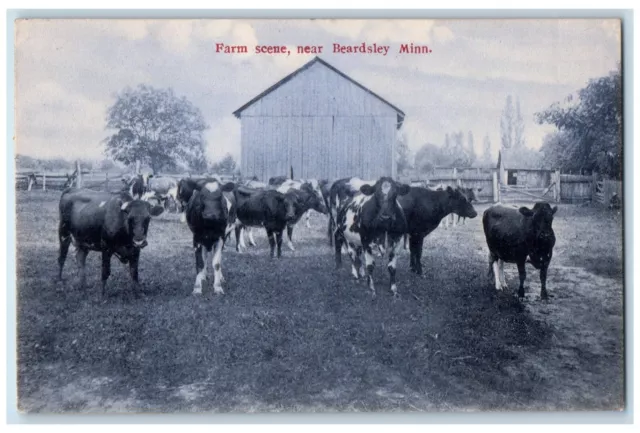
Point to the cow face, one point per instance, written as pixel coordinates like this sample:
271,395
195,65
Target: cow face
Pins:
461,204
385,193
137,214
470,193
315,200
541,238
290,214
213,204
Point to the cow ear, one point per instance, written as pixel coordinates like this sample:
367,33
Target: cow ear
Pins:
155,210
479,189
450,190
367,189
526,211
554,210
404,189
229,186
149,176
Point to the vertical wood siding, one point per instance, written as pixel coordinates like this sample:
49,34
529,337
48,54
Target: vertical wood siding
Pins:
322,125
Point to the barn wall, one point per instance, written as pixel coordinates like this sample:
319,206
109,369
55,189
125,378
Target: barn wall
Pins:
321,124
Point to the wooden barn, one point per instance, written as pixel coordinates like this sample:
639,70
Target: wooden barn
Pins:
321,122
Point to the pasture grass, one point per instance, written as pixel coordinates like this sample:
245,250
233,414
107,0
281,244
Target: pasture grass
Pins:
295,334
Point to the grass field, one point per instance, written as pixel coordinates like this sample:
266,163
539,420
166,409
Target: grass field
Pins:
296,335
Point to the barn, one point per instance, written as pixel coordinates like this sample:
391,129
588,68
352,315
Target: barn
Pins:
322,123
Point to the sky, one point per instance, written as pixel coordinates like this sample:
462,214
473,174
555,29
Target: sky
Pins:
68,72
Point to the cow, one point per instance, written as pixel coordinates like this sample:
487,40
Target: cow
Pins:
304,198
184,191
364,218
424,209
31,181
340,191
513,235
106,222
263,208
137,185
208,213
165,188
283,184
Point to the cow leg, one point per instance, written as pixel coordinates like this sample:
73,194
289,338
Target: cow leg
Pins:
183,216
289,235
405,239
369,261
279,242
543,283
272,242
252,242
330,230
355,260
503,279
391,266
522,273
106,270
201,269
496,274
133,271
239,238
216,263
81,258
65,240
338,249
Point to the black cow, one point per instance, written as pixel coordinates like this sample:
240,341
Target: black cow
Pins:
303,199
264,208
515,234
424,209
185,189
371,216
340,191
208,213
102,221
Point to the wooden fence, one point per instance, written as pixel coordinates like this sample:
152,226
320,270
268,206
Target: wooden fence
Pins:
605,189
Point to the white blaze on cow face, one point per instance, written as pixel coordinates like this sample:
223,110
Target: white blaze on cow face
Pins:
212,186
102,203
385,188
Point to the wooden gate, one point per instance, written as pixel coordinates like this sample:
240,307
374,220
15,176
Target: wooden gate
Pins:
526,193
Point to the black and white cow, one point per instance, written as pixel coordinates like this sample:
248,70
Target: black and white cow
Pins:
208,214
263,208
340,191
185,188
137,185
164,189
424,209
513,235
373,215
304,199
283,184
109,223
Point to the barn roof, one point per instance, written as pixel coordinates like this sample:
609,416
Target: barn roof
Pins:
512,160
306,66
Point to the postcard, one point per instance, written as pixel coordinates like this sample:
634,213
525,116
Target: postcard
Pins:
319,215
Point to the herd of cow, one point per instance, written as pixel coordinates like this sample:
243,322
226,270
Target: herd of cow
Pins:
365,218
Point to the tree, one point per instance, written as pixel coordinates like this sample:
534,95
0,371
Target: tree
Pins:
591,127
471,151
506,124
428,157
518,128
155,127
486,159
403,155
106,165
226,165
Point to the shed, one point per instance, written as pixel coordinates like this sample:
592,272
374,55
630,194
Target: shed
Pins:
322,123
521,171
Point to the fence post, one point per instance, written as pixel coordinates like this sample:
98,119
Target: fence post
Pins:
29,183
496,190
44,180
106,181
137,167
557,191
594,180
79,174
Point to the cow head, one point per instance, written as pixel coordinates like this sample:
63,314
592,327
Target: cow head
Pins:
212,204
470,193
137,214
460,203
385,193
315,200
540,238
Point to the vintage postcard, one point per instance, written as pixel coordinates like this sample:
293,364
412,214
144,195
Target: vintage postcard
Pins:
324,215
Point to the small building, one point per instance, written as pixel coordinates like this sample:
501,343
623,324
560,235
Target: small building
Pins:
521,171
322,123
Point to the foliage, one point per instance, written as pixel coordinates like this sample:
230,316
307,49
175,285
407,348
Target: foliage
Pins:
486,160
157,128
511,125
591,128
226,165
403,154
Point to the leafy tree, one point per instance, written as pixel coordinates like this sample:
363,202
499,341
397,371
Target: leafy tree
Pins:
591,127
226,165
155,127
428,157
486,159
506,124
106,165
518,128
